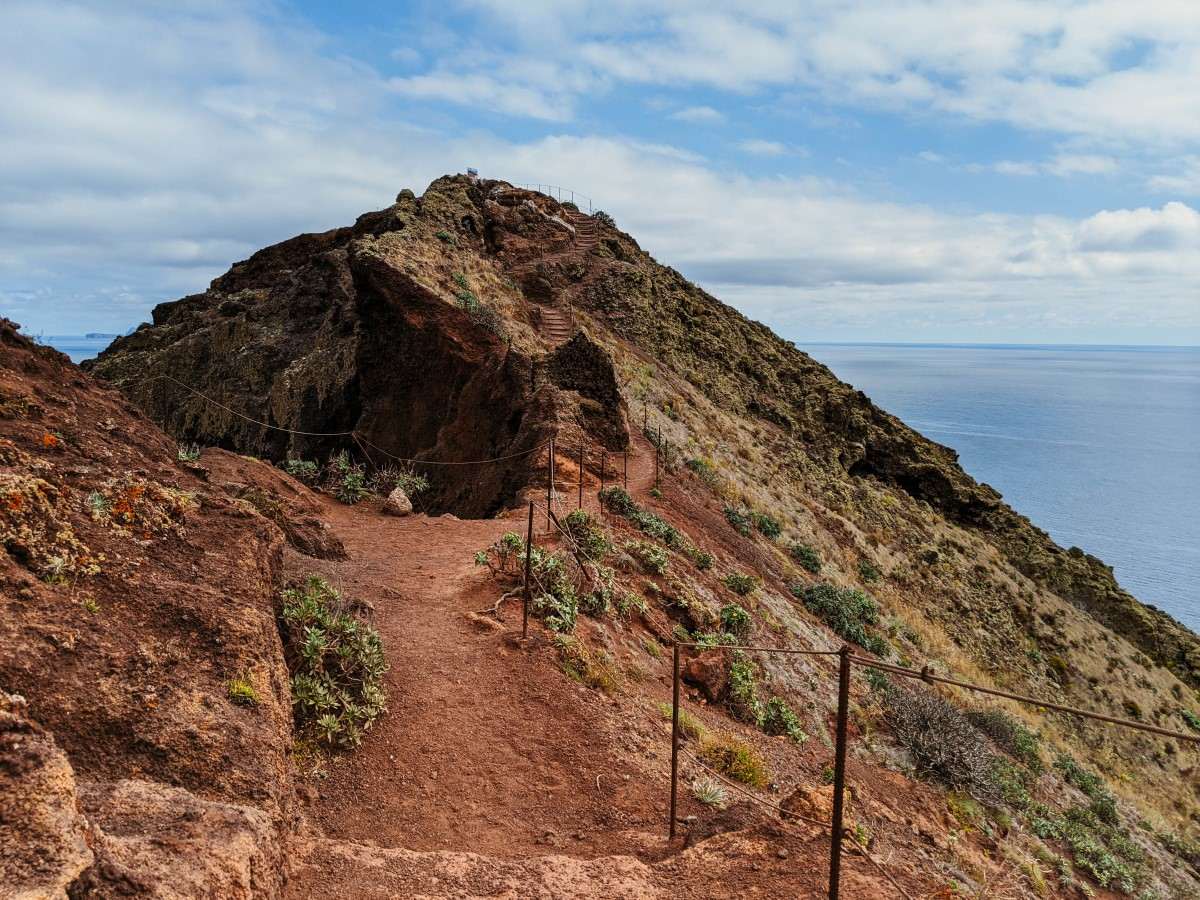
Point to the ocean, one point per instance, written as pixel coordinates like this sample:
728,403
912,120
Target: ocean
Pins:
1099,446
75,346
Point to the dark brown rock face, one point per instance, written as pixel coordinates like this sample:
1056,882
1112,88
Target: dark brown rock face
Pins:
373,339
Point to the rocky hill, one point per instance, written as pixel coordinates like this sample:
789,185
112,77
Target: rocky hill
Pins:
472,324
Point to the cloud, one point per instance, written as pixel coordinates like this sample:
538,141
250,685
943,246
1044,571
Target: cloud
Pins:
699,115
760,147
930,157
1176,226
1009,167
1183,179
483,91
1062,165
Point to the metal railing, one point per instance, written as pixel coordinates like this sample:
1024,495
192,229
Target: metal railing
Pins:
847,658
561,194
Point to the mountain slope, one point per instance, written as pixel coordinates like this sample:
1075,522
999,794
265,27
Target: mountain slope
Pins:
423,331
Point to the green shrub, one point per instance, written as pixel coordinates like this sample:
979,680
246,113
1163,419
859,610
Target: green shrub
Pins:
188,452
445,237
807,557
337,664
588,535
555,600
943,744
732,756
702,559
716,639
1103,803
735,620
742,689
304,470
1010,736
596,602
241,690
741,584
1100,849
653,558
779,718
389,477
847,611
618,501
581,663
345,478
1191,719
767,526
739,519
604,219
868,572
710,792
479,312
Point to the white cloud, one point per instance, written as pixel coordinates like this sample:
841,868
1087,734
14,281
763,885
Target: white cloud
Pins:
760,147
700,115
1066,164
483,91
1009,167
930,157
1184,178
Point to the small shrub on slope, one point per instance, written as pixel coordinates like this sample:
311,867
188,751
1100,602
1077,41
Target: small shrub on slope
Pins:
654,559
807,557
741,584
735,620
337,665
779,718
732,756
346,479
743,689
847,611
739,519
767,526
1010,736
588,534
389,477
304,470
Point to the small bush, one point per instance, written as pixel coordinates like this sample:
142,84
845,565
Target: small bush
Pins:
743,689
767,526
807,557
735,620
779,718
654,559
732,756
337,665
845,610
1010,736
188,452
580,662
346,479
710,792
689,725
740,584
479,312
445,237
604,219
943,744
587,533
657,528
702,559
1103,803
704,470
304,470
389,477
618,501
1190,719
739,519
868,572
241,690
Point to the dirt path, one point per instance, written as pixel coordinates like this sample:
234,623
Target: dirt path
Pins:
486,746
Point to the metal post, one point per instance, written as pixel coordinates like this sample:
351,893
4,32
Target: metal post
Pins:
549,484
603,463
580,506
656,443
839,772
627,468
674,736
528,584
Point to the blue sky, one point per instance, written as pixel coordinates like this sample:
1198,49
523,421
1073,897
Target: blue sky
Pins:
925,170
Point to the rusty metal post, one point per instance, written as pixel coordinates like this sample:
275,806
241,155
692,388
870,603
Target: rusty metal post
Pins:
580,475
603,463
839,773
549,484
656,449
528,584
674,736
626,468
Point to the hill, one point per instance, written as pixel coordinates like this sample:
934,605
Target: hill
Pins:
477,322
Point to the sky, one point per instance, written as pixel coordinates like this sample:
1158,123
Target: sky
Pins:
918,170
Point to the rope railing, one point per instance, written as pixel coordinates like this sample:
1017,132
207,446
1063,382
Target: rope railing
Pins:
561,194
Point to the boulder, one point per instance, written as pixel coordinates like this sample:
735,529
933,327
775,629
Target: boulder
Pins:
43,838
709,672
397,503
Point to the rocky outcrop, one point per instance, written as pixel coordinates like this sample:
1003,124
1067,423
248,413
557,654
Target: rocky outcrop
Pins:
43,836
400,337
132,591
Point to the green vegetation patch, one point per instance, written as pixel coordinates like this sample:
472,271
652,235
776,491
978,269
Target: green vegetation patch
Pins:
588,534
732,756
807,557
337,665
848,611
741,584
779,718
735,619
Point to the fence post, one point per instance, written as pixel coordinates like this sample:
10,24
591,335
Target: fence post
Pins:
626,468
674,736
580,475
839,772
528,586
603,462
549,484
656,450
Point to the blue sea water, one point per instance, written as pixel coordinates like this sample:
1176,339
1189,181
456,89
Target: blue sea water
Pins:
1099,446
77,347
